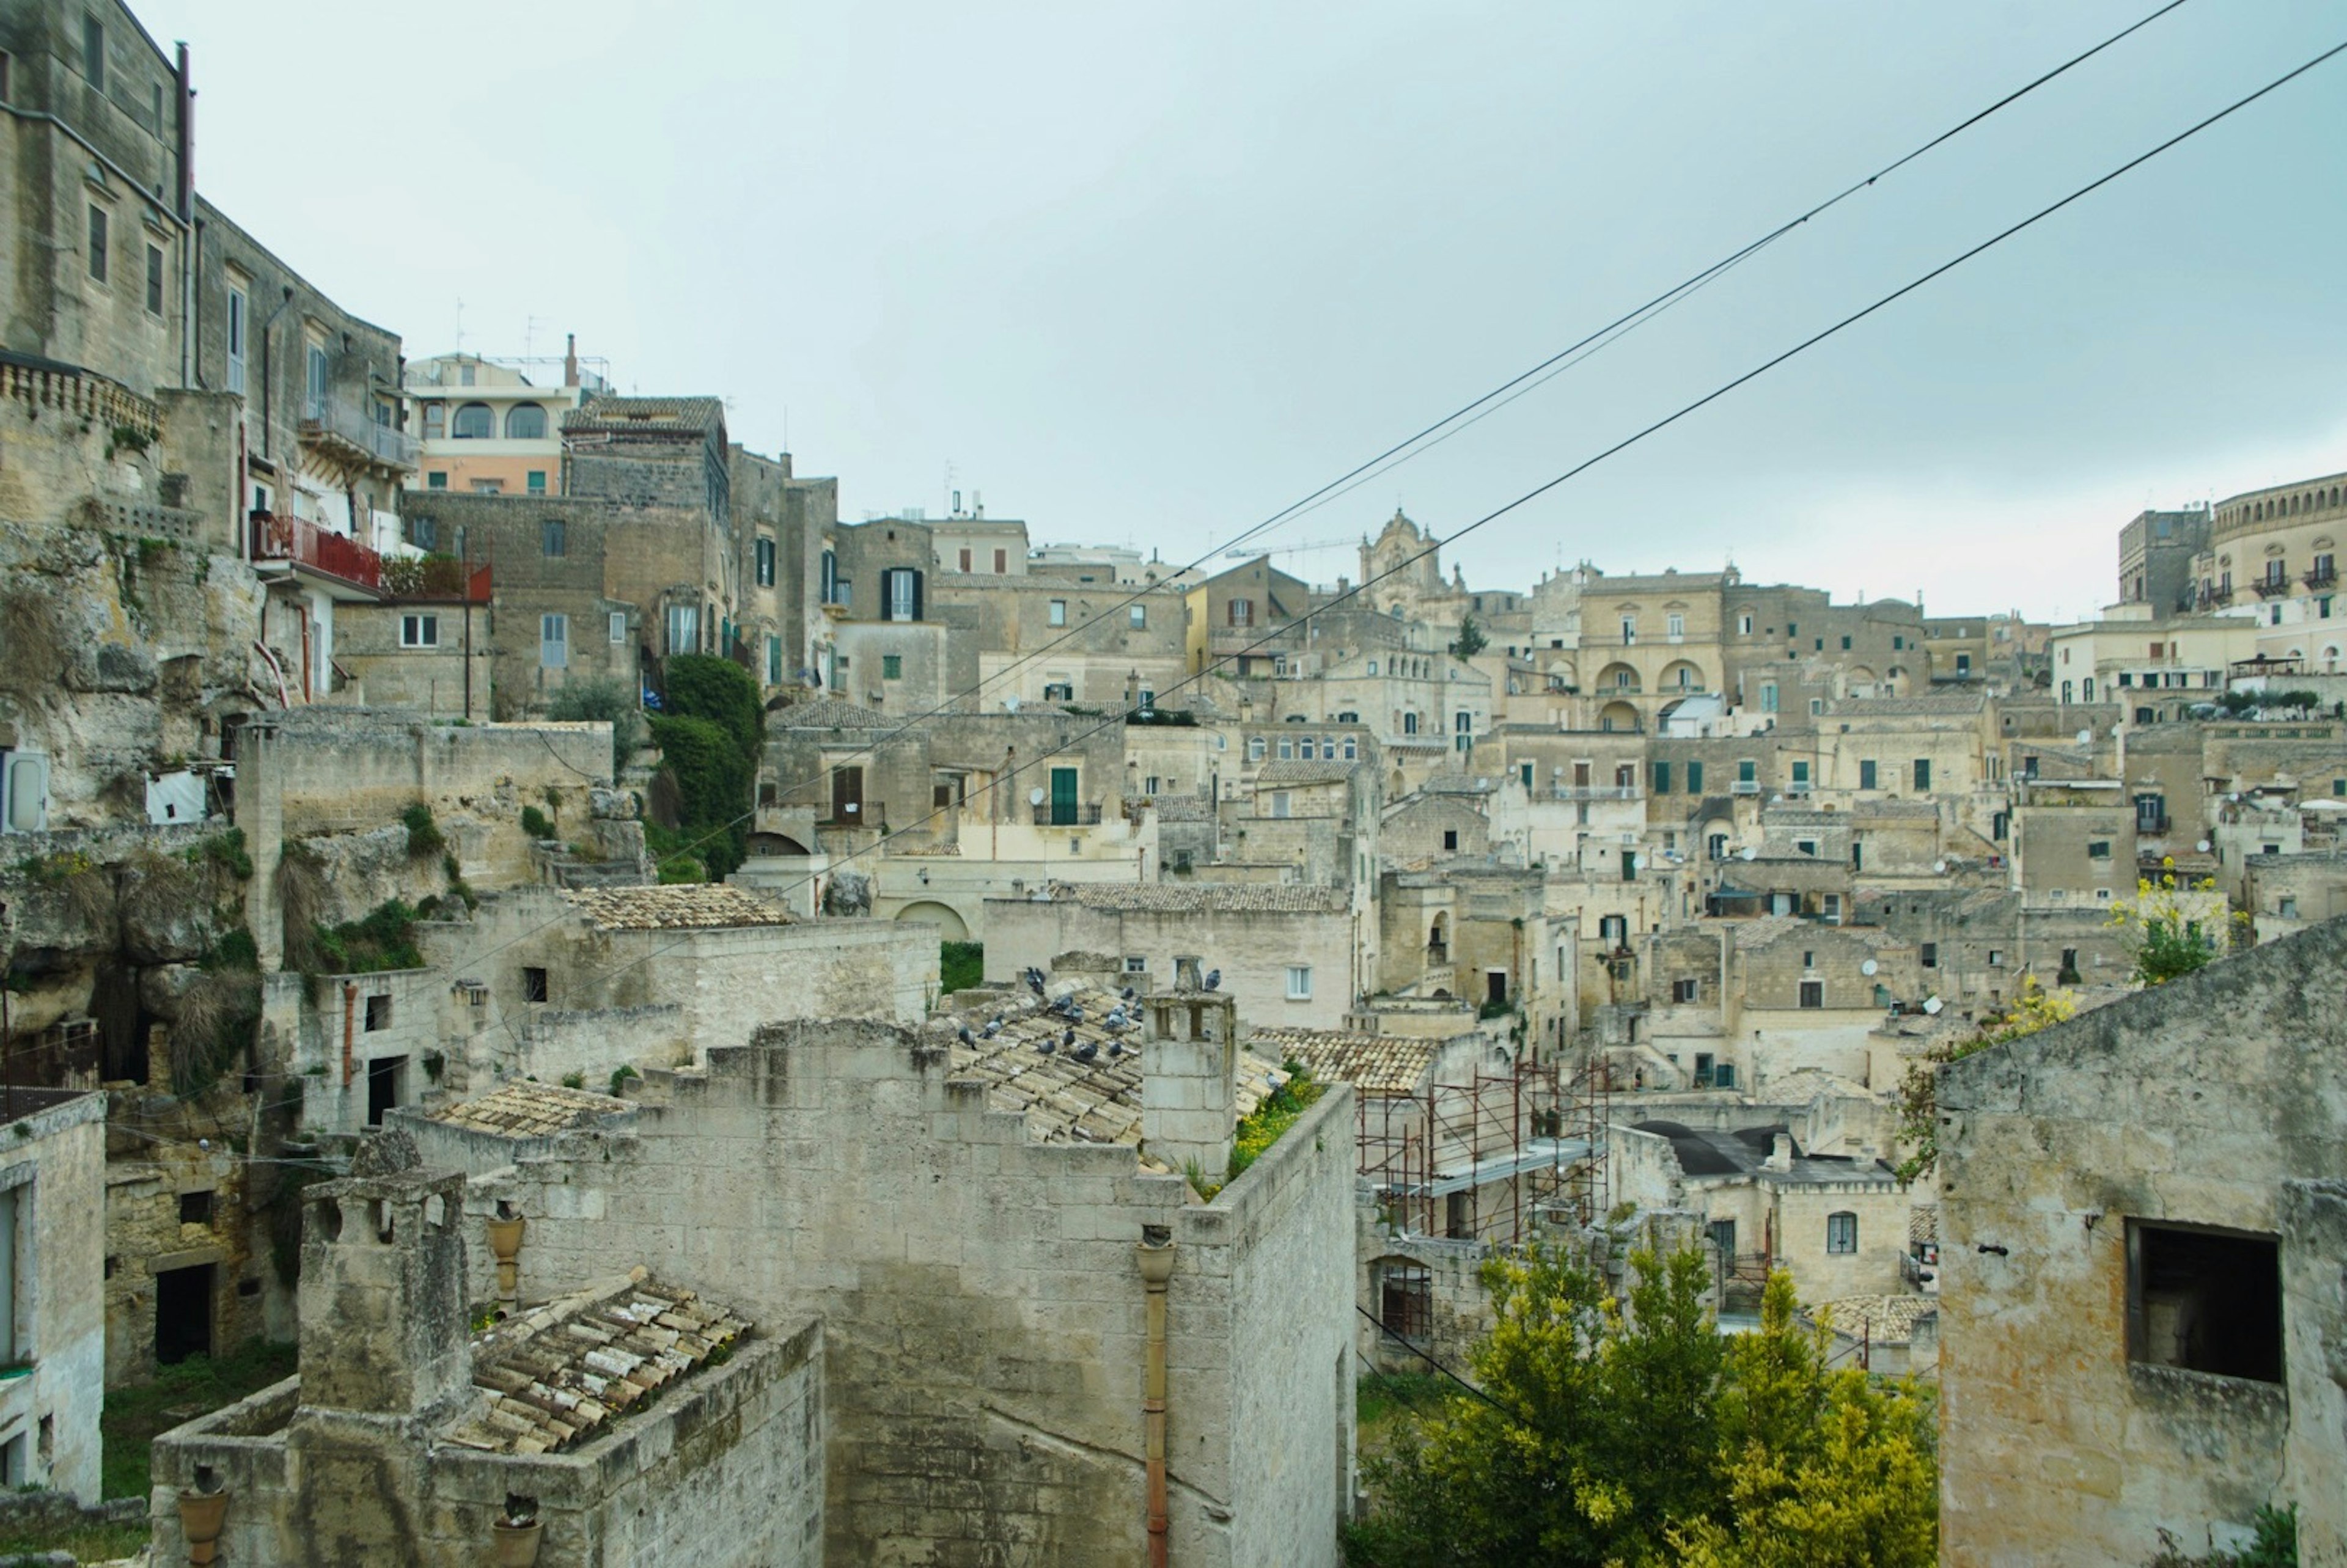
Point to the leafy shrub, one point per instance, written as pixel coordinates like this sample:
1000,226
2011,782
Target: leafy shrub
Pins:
424,839
383,940
1262,1127
595,698
961,967
574,1081
720,691
713,780
226,850
534,823
619,1076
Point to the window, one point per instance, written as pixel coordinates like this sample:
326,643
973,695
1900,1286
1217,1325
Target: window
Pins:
1841,1231
1744,624
1801,784
892,667
553,641
1136,966
2288,909
961,560
1922,772
97,243
1687,990
1662,777
1241,612
1928,954
553,537
423,532
1254,748
1694,777
314,361
533,985
1845,643
2205,1300
1963,663
1409,723
237,308
683,626
1996,958
419,632
1629,628
1747,771
1813,993
2098,849
619,626
1057,613
1767,696
196,1208
1001,562
535,481
1866,775
848,793
774,661
1300,982
524,421
488,487
1139,615
1807,846
1406,1300
93,51
474,422
766,563
154,279
830,577
378,1012
1675,625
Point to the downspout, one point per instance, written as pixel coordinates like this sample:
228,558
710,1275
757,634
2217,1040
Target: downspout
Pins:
1156,1268
187,193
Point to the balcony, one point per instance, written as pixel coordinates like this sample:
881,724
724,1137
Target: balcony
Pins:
353,438
302,544
1597,791
1744,786
443,578
2320,577
2268,587
1077,816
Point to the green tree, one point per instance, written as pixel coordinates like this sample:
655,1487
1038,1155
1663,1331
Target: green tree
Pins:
709,739
1611,1438
1471,640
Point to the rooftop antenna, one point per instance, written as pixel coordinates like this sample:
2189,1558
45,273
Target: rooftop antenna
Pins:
460,326
529,337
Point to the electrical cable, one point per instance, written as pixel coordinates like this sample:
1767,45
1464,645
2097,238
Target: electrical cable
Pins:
1498,397
1626,441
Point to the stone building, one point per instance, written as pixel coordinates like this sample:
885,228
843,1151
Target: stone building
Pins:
51,1310
2156,550
2143,1212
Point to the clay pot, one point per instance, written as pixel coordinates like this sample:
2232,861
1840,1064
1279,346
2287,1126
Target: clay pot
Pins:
201,1515
504,1245
514,1545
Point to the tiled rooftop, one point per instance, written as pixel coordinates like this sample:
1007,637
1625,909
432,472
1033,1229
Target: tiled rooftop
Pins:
1183,809
1222,898
526,1110
1294,772
1373,1063
708,904
1884,1319
692,413
1067,1099
559,1374
829,713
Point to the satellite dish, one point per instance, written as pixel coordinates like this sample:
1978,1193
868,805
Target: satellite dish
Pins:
1869,967
1932,1005
1748,853
1940,866
2086,737
2202,846
1035,795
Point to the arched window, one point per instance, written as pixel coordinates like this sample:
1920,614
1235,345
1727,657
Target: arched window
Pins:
474,422
1841,1231
526,422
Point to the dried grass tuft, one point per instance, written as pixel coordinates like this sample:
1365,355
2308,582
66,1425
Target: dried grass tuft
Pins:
301,896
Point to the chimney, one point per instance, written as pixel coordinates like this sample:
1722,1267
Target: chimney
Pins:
382,1320
1189,1099
1781,1153
571,359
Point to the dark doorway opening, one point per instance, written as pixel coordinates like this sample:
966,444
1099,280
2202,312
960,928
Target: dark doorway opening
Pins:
383,1086
183,1313
1495,986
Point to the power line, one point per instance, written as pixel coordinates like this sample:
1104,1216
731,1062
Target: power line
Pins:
1440,430
1662,423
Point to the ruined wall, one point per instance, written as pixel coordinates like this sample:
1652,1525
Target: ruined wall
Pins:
2200,1103
983,1311
1254,950
54,1166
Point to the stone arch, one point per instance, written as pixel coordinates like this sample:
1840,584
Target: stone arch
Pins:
1620,716
1683,675
1617,677
951,927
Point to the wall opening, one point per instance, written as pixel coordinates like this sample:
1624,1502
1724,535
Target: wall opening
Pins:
385,1075
2205,1300
183,1313
1406,1299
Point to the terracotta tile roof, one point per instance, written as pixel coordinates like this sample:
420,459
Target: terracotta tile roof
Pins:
1924,1222
829,713
1221,899
1183,807
1295,771
1069,1101
1373,1063
526,1110
708,904
556,1376
620,413
1885,1319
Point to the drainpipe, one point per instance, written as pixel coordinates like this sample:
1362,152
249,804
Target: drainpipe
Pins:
349,1023
1156,1260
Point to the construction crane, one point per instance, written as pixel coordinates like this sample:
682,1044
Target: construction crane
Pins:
1247,551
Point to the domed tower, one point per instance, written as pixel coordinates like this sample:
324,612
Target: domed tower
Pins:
1400,542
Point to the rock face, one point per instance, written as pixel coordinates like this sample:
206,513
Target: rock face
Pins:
167,910
848,893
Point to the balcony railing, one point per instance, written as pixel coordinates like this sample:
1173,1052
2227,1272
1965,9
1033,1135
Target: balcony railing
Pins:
2268,587
279,537
2321,577
328,426
1744,786
1597,791
1068,816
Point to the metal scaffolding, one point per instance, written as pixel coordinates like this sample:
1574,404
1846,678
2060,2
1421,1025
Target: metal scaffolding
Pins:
1489,1158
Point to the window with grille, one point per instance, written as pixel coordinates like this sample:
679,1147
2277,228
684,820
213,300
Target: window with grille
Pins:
1841,1231
1406,1300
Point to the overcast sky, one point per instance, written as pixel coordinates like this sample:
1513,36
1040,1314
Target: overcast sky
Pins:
1149,274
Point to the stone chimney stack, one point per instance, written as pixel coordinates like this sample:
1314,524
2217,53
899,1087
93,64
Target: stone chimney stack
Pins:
571,359
1781,1153
1189,1064
384,1330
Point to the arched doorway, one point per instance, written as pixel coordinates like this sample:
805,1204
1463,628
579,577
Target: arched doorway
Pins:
950,926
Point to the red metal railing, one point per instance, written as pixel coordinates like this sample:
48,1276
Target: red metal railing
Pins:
276,536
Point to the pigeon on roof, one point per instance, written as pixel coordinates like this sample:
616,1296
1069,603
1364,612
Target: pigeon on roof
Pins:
1213,979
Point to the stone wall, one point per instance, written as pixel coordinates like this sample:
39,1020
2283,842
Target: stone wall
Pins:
53,1168
2212,1100
1253,949
982,1309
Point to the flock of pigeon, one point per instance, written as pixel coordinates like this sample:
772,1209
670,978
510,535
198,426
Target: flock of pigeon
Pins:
1121,1018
